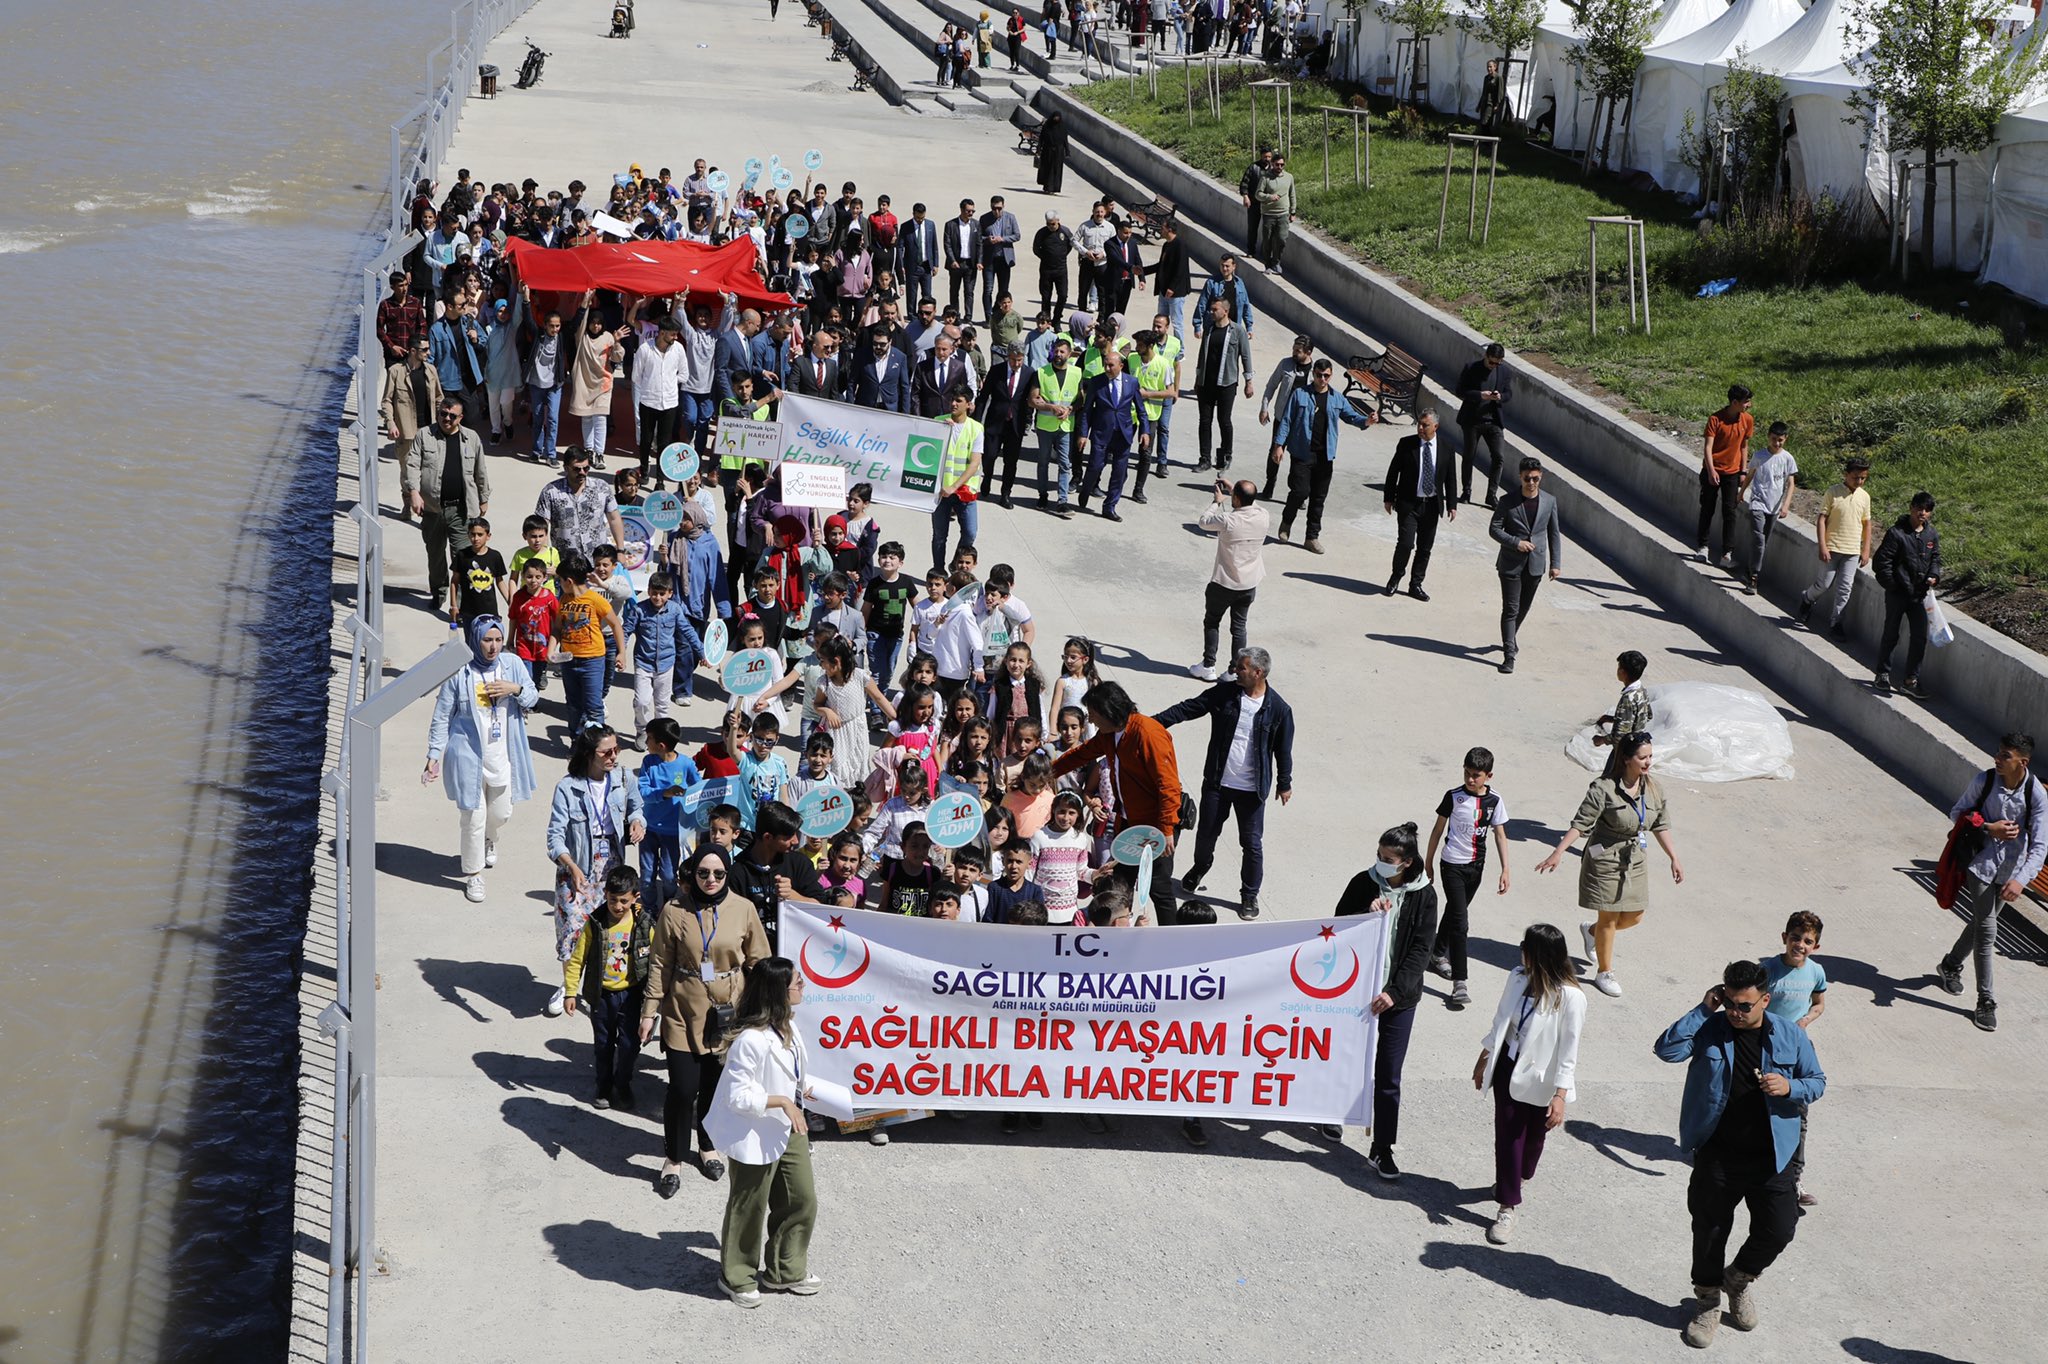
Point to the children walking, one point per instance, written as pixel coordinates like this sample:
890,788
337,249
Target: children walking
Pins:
1843,528
1464,817
605,975
1798,988
1721,459
1770,481
1060,853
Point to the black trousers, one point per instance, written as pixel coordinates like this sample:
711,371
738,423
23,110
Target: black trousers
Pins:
1517,595
1900,607
1251,230
1308,480
1218,599
657,433
692,1081
1052,290
615,1036
1005,444
1389,1057
1415,522
1718,1188
1219,802
1460,882
995,280
1093,277
1728,493
960,289
1215,401
1488,434
1164,908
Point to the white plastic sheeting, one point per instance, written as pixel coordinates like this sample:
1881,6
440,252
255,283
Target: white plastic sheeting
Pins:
2019,205
1675,78
1705,731
1832,153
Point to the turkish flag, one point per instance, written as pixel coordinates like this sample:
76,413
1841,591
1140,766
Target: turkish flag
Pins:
649,269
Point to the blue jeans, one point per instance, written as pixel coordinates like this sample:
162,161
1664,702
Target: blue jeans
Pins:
1162,431
1052,449
685,684
882,654
695,409
950,507
660,855
547,406
583,690
1175,309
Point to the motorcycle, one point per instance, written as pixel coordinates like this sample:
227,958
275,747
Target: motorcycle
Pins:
622,19
529,70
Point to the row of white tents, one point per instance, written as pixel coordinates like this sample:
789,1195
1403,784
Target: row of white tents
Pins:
2002,192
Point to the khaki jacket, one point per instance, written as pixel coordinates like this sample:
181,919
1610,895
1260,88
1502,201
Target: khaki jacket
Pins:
676,991
398,406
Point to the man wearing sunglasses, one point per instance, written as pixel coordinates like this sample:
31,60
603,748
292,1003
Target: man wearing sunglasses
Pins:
1749,1078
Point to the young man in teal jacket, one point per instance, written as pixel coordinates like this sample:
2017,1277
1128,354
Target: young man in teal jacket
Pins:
1749,1077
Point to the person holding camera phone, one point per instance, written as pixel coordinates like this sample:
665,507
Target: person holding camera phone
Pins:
1241,526
707,937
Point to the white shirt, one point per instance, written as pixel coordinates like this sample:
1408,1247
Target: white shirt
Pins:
1426,470
924,620
1767,481
494,723
957,645
1240,771
657,374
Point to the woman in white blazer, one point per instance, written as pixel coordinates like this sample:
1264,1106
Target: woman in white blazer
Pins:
757,1120
1536,1033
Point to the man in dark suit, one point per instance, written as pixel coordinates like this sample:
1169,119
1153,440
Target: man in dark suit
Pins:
1004,412
1531,543
818,374
999,232
919,245
881,379
936,376
1484,389
963,257
1114,421
1419,494
1170,278
1124,266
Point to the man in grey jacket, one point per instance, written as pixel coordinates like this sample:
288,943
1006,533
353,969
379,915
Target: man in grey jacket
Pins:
1531,541
445,484
1223,360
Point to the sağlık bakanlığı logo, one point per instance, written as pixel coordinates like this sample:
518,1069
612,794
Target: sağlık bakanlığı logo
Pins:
921,458
834,976
1324,966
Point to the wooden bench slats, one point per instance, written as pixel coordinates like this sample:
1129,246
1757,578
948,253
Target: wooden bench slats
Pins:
1393,377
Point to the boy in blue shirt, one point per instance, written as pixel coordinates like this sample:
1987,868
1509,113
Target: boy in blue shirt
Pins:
665,774
1799,995
663,641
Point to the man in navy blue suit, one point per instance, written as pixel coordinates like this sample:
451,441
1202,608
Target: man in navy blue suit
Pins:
881,378
1114,423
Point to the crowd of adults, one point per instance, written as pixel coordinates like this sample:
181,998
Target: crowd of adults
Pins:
687,945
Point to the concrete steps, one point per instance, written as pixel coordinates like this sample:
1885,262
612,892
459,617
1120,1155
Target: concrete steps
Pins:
898,71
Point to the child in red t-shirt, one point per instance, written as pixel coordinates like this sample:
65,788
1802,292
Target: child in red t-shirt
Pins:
533,610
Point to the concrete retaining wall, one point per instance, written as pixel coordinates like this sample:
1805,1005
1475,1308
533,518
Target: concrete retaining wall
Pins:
1627,493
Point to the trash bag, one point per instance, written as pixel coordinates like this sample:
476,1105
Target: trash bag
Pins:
1704,731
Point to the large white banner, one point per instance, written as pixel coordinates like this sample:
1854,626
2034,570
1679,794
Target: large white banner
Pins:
898,454
1264,1021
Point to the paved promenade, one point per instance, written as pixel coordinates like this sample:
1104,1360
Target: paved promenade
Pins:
519,1224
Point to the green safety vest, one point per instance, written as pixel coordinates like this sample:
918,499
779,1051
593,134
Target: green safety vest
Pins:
1155,374
1052,390
1091,363
730,407
959,449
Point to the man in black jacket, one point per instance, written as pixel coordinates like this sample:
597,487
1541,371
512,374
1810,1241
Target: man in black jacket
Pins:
1004,411
1484,388
1170,280
1052,244
1248,186
1419,494
1907,566
819,375
770,870
1251,751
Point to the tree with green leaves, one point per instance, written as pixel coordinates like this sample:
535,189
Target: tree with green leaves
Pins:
1423,19
1508,26
1936,80
1610,52
1746,104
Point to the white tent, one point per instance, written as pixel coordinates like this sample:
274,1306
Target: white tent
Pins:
1673,83
1831,154
1555,75
2018,257
1963,247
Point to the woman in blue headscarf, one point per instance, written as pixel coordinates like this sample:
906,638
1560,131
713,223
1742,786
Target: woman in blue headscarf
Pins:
476,745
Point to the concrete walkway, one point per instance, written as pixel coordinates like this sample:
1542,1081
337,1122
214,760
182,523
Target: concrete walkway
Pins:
519,1224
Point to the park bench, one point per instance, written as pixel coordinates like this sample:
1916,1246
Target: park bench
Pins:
1027,140
1393,377
1152,218
863,77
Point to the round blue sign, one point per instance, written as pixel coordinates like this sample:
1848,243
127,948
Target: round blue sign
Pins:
813,159
954,820
825,811
1129,846
796,225
664,511
679,461
748,672
714,643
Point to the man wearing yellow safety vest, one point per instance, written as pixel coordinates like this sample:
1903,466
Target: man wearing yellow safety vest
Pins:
1156,366
1055,396
959,467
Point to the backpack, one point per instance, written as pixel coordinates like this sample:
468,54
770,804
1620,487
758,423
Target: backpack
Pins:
1965,839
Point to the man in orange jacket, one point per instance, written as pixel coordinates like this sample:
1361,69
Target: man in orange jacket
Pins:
1144,778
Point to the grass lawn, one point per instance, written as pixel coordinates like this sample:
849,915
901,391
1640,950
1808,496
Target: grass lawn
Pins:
1902,374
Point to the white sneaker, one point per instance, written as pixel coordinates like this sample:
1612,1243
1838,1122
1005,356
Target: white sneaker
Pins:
1586,937
554,1009
1203,672
803,1288
473,890
1606,984
878,1136
750,1298
1503,1227
490,853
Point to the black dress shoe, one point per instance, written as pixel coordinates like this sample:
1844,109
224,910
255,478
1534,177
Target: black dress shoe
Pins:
669,1185
1108,515
1008,505
1417,593
1393,586
1508,666
1139,498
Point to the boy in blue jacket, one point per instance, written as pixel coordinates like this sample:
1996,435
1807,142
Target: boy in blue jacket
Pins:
663,640
1749,1079
665,775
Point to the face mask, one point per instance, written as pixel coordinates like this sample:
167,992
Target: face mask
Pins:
1387,870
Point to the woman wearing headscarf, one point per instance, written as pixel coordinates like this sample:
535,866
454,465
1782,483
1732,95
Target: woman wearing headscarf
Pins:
1052,153
1623,810
476,746
708,935
595,816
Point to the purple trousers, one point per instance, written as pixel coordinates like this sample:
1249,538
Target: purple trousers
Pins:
1518,1135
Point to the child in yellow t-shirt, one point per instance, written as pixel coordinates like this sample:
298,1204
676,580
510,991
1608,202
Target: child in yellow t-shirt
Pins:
582,619
1843,527
604,974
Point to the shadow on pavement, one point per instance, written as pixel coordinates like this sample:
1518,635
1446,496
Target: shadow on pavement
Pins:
595,1138
1542,1278
512,988
1357,585
1887,990
1877,1352
1719,660
1124,656
440,870
1439,1200
1612,1142
1423,644
676,1261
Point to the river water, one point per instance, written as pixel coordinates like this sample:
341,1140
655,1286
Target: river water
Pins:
188,189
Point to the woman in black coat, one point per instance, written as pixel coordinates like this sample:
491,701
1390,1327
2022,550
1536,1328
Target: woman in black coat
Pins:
1052,153
1399,885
